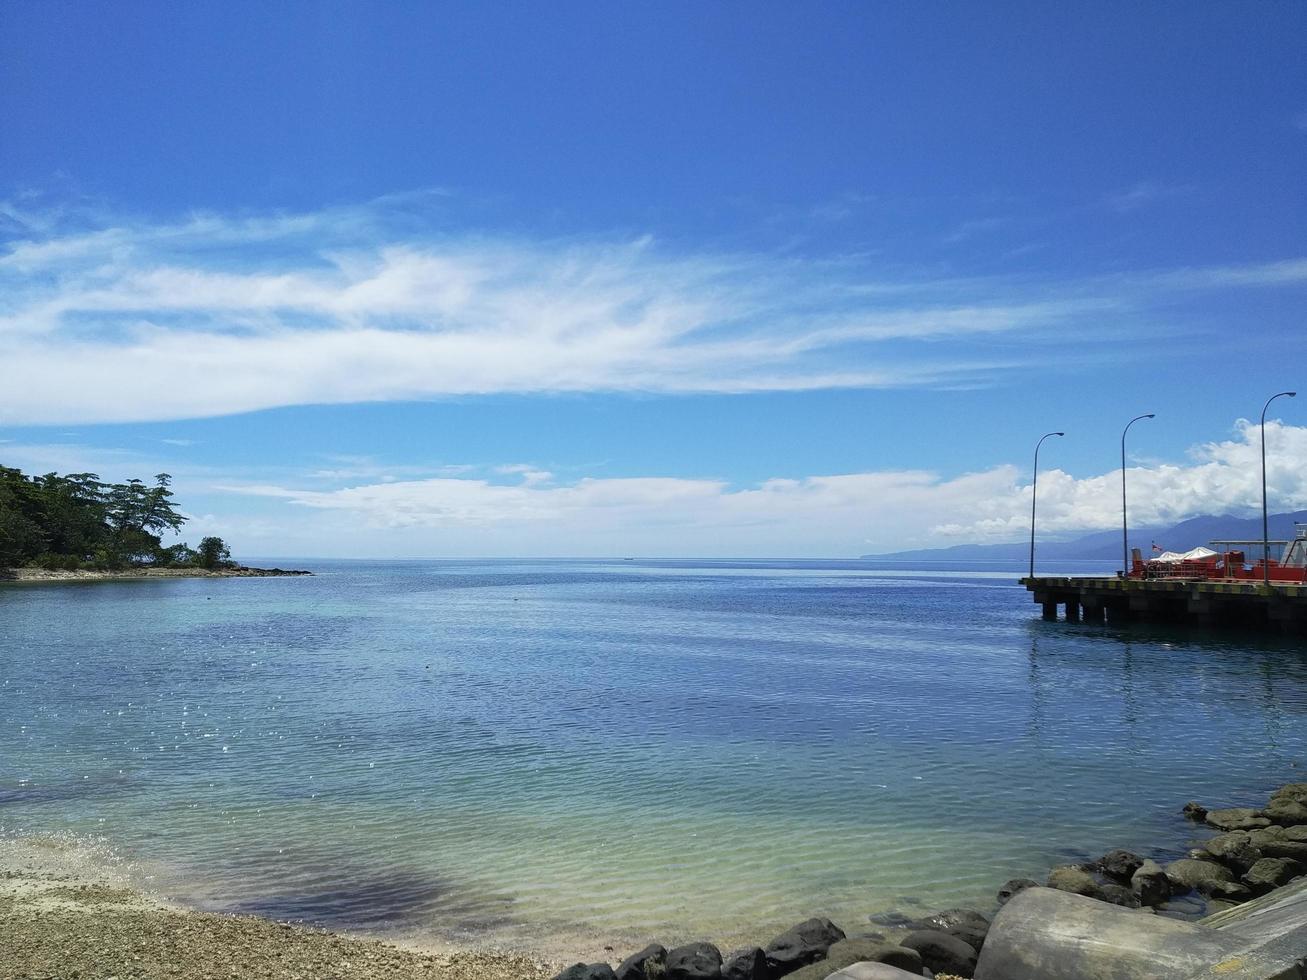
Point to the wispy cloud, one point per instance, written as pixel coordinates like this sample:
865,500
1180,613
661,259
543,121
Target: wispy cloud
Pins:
116,320
1143,194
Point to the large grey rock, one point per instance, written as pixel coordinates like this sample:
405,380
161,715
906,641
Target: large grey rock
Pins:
1119,864
694,961
966,924
1286,812
941,952
593,971
648,964
1226,891
803,944
846,952
1013,886
1234,849
873,971
1076,880
1151,884
1187,874
1281,842
1236,818
1271,873
746,964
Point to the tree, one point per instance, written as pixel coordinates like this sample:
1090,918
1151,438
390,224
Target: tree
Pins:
213,553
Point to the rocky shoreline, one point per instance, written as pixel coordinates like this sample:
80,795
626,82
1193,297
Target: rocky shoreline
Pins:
1246,852
86,575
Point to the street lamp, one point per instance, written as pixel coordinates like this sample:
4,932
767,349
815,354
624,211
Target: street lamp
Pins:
1034,483
1266,535
1125,533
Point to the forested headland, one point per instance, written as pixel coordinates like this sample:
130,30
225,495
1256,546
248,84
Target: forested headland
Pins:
77,521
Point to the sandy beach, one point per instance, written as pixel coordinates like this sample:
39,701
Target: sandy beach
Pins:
64,917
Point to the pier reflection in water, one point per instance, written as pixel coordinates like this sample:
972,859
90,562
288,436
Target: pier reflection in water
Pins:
516,751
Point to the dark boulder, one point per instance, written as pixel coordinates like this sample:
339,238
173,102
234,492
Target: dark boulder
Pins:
745,964
805,943
1120,895
1151,884
1195,812
1226,891
1286,812
846,952
965,924
595,971
942,953
694,961
1237,818
1187,874
1013,887
1234,850
1271,873
1281,842
1075,879
648,964
1291,791
1119,864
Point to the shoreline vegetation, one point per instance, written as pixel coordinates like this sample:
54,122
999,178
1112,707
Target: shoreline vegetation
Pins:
77,527
30,574
64,915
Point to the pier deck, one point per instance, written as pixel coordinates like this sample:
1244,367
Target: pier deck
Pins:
1208,602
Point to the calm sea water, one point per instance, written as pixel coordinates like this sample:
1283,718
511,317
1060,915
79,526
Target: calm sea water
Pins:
528,752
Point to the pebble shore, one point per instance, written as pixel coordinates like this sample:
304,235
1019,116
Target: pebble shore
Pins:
61,923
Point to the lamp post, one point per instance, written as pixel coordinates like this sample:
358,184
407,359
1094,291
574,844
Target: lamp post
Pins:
1266,535
1034,484
1125,531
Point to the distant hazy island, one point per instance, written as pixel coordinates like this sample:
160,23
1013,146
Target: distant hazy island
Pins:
79,527
1106,545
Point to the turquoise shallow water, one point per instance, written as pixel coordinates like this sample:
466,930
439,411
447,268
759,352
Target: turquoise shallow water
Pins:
529,752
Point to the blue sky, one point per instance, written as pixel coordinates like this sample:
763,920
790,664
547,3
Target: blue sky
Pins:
669,279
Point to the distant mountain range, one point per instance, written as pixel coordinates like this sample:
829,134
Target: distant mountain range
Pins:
1106,545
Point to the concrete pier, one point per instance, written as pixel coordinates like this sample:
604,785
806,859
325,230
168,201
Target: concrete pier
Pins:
1215,602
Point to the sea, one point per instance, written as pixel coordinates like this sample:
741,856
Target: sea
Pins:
563,754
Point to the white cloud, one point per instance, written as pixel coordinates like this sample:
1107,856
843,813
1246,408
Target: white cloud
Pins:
132,321
818,515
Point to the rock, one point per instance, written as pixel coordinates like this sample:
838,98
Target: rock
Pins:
1120,895
847,952
891,919
745,964
873,971
1188,874
1195,812
1236,818
1234,850
648,964
1281,842
1286,812
965,924
941,952
1151,884
1075,879
805,943
1291,791
1271,873
1227,891
1119,864
694,961
595,971
1200,854
1013,887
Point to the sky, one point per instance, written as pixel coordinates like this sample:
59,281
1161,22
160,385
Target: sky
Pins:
675,279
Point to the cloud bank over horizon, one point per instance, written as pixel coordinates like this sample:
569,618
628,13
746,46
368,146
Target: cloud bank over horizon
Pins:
818,515
105,319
